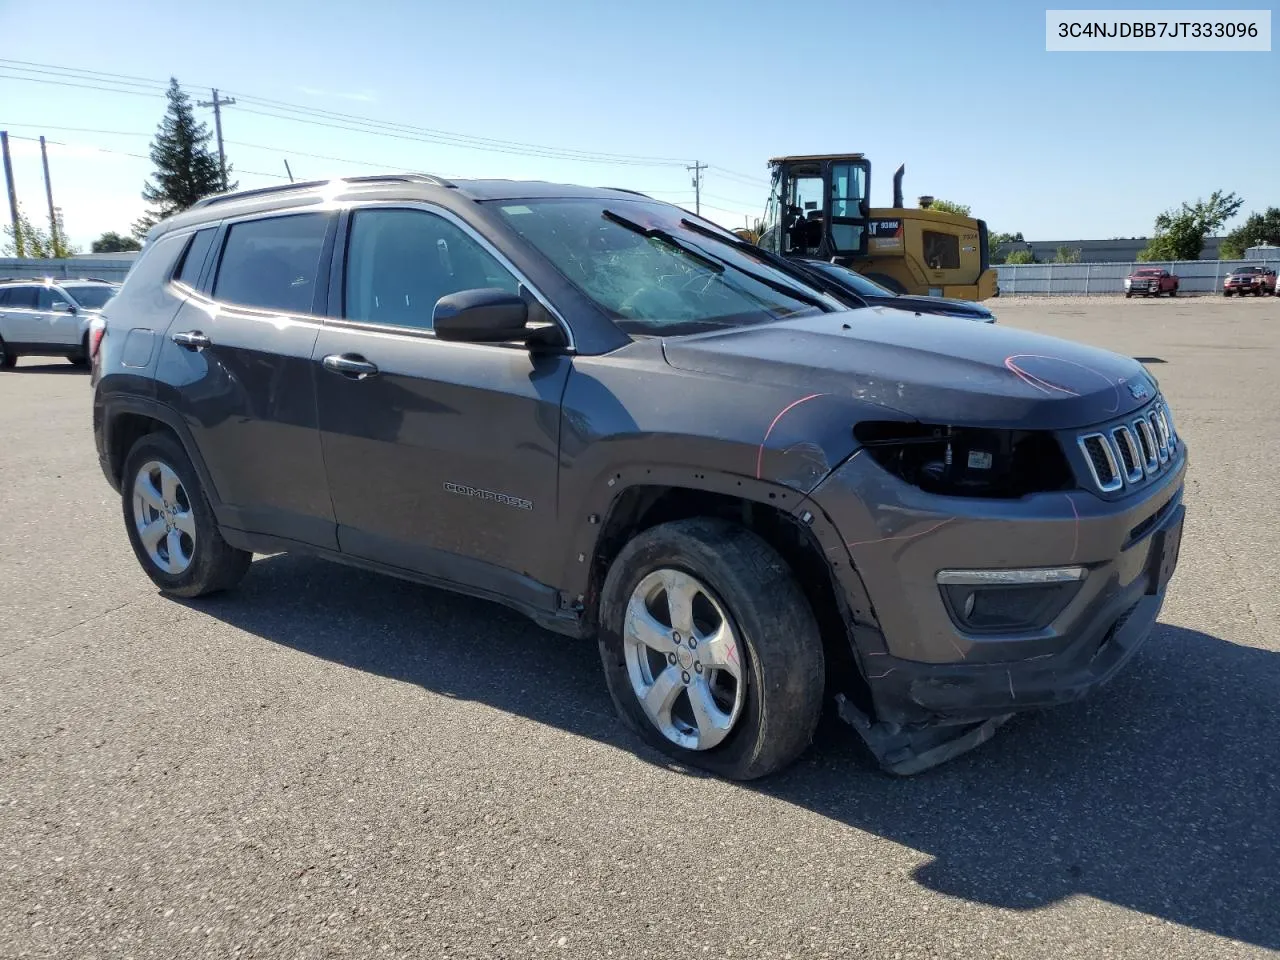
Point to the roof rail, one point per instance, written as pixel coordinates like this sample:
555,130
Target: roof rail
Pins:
628,190
312,184
257,192
400,178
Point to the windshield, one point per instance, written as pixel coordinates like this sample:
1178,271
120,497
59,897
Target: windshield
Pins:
91,298
1248,270
642,264
851,278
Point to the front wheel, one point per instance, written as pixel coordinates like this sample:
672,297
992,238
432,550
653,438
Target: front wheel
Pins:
710,651
170,523
7,359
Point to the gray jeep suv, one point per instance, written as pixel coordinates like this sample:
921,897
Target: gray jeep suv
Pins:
631,425
49,318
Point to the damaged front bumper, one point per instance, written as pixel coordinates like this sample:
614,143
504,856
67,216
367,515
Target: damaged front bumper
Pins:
939,687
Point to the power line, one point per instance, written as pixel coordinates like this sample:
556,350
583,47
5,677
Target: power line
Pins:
123,84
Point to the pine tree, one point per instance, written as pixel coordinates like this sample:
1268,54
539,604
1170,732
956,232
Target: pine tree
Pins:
186,168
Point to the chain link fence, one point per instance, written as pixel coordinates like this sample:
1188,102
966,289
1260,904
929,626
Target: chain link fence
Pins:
1107,279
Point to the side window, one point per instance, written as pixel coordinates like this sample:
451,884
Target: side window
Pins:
46,297
22,298
400,262
272,263
4,297
189,269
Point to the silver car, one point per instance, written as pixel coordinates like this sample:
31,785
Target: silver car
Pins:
47,318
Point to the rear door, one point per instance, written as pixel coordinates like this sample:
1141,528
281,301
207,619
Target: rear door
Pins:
20,324
236,363
442,457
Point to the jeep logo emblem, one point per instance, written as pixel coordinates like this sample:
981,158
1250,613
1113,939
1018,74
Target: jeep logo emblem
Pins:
1139,391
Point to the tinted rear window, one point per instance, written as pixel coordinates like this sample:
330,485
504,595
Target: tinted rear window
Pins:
20,297
273,263
193,259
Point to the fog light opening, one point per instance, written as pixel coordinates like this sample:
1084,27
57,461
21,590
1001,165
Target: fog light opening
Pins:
1008,601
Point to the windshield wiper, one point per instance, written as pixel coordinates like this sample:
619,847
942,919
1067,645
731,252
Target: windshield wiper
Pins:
764,256
692,252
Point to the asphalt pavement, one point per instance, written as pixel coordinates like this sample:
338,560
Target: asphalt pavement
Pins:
328,763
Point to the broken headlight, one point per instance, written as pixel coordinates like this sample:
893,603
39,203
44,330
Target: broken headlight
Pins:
967,461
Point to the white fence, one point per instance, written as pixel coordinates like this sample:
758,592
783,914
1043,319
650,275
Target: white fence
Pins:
1086,279
12,268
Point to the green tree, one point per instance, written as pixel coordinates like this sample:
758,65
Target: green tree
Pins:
112,242
1067,255
186,168
997,240
1021,256
1179,234
1259,228
946,206
36,242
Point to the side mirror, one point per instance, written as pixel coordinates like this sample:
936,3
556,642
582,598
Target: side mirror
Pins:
61,306
485,315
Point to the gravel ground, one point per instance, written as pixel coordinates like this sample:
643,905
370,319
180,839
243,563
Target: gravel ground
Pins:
326,763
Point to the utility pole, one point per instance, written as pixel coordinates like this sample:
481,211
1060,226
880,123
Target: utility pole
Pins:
19,247
48,193
697,169
217,105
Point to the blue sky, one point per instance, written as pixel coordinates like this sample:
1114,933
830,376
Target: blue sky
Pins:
1057,145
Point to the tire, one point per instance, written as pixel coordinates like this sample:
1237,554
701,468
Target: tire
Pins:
81,359
1127,294
213,564
1173,292
7,359
774,646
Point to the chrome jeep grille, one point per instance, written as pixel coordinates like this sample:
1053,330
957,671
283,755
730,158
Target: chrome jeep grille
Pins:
1132,451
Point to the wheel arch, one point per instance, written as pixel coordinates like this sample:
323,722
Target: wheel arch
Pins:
638,499
126,420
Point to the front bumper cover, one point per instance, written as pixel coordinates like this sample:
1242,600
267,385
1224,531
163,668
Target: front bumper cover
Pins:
936,691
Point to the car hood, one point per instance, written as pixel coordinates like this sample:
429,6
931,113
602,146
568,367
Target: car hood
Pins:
927,367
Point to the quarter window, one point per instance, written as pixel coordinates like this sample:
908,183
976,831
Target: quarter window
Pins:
272,263
193,259
401,262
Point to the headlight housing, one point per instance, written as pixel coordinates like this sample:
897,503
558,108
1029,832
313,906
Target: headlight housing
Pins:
968,461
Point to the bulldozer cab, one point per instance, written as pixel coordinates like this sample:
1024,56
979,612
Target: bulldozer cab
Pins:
818,206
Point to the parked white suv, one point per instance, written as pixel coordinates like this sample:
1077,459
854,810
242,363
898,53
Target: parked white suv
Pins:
45,318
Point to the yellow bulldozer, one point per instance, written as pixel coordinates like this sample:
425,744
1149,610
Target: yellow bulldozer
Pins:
819,209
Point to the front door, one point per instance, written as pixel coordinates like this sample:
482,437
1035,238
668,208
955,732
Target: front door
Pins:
236,363
59,325
442,457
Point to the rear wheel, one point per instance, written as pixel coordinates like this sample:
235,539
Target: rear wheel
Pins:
170,523
7,359
710,651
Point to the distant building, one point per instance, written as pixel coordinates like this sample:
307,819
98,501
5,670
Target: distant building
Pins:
1099,251
1266,251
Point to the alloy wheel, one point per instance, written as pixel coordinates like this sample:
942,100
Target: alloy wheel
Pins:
684,659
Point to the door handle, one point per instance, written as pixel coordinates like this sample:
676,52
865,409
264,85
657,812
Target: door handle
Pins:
191,339
350,365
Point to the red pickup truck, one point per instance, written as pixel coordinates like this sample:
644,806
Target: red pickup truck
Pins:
1150,282
1259,280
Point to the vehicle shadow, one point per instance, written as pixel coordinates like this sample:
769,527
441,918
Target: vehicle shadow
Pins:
53,366
1159,794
